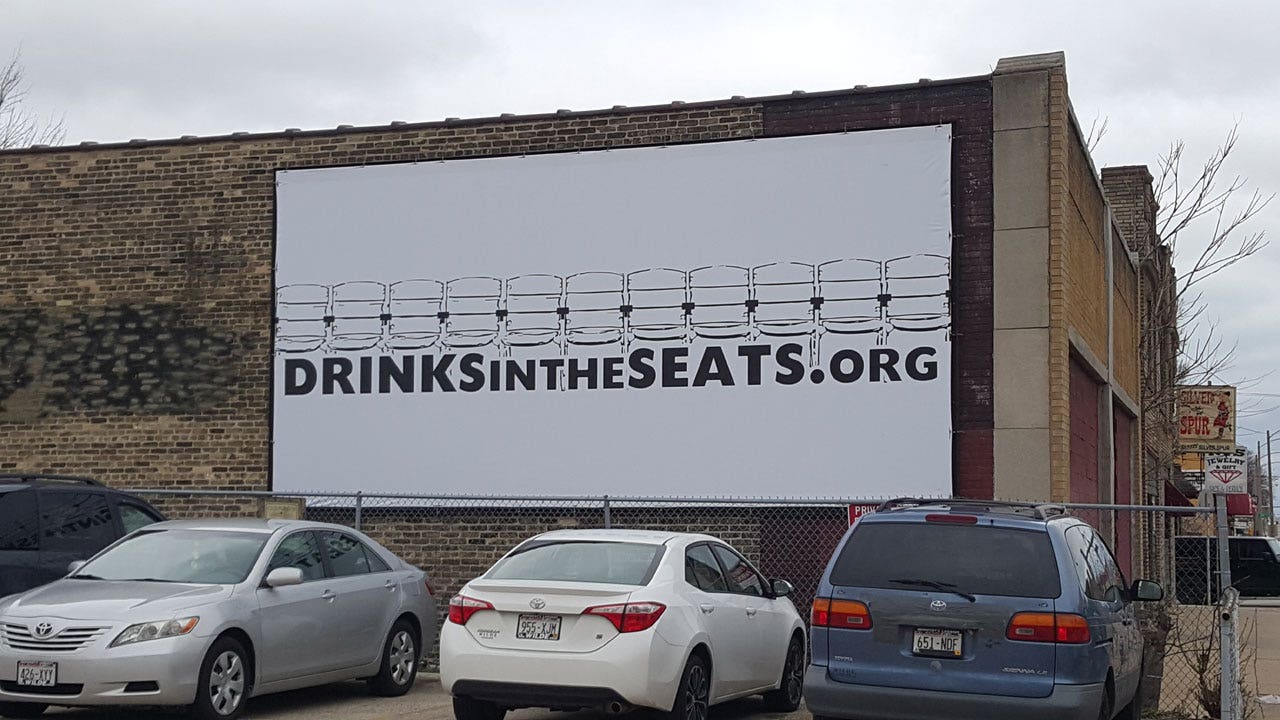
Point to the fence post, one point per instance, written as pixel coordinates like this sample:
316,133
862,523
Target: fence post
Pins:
1231,701
608,519
359,506
1229,603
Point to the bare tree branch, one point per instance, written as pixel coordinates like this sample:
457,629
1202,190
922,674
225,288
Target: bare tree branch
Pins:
19,127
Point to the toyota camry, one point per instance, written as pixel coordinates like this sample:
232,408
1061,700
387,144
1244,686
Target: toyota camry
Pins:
211,613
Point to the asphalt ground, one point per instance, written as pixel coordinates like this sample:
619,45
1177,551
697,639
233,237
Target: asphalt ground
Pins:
352,701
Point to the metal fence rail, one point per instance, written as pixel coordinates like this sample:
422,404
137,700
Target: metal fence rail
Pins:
458,537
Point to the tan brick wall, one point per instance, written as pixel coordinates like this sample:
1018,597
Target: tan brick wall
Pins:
136,288
1085,248
1059,342
1125,308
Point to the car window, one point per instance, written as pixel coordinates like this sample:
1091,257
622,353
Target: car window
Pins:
976,559
346,554
1094,563
133,517
18,520
1275,547
75,522
299,550
1252,549
376,563
738,573
618,563
179,556
702,571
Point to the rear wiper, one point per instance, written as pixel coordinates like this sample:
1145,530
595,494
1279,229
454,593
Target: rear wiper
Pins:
944,587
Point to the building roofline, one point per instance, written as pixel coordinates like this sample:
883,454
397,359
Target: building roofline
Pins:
399,126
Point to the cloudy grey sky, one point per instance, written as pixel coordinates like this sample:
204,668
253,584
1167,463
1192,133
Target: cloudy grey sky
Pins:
1158,70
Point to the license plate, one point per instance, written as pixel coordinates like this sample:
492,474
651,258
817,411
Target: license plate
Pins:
538,627
38,674
938,643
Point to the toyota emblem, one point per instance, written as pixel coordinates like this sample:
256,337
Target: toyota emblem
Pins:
937,606
43,630
537,603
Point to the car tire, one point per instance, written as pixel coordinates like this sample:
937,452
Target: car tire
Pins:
468,708
225,682
21,710
787,697
693,697
399,665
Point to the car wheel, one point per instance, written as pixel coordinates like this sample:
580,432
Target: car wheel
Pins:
467,708
225,681
21,710
399,662
694,695
787,697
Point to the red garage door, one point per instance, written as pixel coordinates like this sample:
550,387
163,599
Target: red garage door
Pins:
1084,435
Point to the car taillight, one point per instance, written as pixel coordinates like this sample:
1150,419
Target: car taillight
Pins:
846,614
629,617
461,608
430,590
1049,627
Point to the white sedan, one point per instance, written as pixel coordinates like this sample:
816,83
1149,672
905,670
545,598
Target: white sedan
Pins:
615,619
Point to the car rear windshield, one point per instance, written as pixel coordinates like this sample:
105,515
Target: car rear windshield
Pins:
580,561
206,557
974,559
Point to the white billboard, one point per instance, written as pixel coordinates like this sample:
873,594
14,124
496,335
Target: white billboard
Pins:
754,318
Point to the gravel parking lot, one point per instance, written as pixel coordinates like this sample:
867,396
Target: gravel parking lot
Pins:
351,701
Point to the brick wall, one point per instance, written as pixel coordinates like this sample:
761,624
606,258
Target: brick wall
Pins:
136,279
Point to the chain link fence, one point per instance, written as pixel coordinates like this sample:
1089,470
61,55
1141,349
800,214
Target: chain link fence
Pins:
456,538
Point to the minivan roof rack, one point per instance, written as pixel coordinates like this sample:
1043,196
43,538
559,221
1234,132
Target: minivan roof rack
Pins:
39,477
1041,511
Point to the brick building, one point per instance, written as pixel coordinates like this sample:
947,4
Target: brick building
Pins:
136,296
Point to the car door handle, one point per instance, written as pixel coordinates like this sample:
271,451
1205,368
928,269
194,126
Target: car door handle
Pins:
751,612
707,609
390,585
329,595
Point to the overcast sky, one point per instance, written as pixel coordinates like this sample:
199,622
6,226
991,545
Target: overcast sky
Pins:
1157,70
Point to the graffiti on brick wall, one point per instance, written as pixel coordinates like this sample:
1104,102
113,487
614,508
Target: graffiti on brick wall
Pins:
138,358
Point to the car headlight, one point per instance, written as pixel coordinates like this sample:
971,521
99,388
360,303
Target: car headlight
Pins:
155,630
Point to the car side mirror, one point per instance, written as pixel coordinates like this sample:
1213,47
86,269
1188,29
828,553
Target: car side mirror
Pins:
782,588
1147,591
74,565
281,577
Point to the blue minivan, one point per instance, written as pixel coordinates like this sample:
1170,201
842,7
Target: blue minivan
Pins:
955,609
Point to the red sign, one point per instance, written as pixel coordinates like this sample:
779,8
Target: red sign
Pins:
857,511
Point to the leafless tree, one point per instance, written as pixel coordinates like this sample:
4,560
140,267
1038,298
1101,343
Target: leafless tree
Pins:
19,127
1201,222
1202,217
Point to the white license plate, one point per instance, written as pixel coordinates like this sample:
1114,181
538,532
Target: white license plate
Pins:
38,674
538,627
939,643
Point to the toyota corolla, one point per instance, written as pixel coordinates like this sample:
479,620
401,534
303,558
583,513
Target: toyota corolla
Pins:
615,619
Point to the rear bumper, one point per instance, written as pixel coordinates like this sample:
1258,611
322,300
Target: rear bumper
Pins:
637,668
556,697
826,697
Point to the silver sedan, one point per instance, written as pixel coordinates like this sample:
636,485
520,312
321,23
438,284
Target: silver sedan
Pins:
211,613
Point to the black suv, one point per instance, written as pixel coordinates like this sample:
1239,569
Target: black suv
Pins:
49,521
